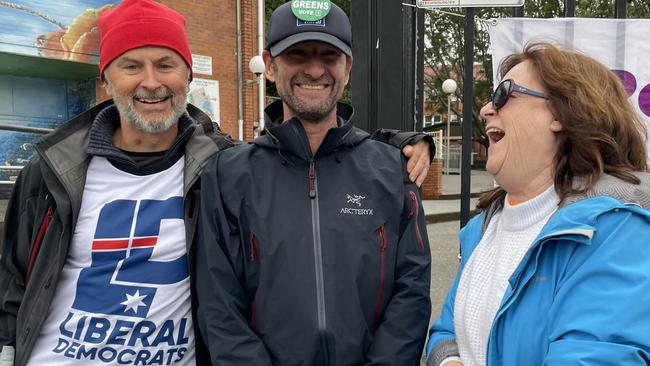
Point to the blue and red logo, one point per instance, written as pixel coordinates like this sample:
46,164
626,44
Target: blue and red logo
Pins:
122,278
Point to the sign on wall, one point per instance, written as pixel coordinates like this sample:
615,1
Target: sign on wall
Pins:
201,64
431,4
204,94
63,30
620,44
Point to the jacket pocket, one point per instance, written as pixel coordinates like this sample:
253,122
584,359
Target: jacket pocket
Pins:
383,244
413,214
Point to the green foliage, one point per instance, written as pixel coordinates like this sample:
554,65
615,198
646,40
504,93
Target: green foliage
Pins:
445,45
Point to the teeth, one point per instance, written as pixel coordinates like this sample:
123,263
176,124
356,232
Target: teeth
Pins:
495,134
313,87
150,101
493,130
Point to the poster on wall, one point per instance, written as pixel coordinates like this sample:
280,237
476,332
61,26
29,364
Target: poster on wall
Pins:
65,30
620,44
204,94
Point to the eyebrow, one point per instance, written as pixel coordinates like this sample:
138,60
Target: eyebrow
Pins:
162,59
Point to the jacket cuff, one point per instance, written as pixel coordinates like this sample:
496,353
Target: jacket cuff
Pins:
419,136
400,139
442,350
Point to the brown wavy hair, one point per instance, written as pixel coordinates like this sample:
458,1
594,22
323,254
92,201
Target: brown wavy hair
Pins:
601,132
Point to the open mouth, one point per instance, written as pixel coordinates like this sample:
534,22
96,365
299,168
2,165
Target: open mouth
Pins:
495,134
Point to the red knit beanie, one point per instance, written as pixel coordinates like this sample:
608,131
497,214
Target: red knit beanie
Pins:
139,23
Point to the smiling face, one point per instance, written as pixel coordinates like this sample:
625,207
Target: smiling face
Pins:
149,87
523,137
310,78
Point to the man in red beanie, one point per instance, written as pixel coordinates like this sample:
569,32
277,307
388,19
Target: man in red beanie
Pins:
95,268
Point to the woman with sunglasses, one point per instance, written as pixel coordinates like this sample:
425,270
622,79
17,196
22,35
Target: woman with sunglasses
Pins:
556,268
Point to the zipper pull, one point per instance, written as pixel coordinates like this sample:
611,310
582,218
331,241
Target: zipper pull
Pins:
312,180
382,236
414,205
253,248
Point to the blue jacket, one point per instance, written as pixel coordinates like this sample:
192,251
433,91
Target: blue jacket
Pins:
580,296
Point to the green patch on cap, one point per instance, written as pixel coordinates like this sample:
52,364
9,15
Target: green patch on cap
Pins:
310,10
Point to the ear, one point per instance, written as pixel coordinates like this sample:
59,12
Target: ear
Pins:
106,88
556,126
348,68
268,66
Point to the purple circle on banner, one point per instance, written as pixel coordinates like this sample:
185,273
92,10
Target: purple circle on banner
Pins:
629,81
644,100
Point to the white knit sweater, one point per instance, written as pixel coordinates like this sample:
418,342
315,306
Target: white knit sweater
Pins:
484,280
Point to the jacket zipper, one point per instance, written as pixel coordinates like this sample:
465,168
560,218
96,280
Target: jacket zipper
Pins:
318,262
383,244
414,213
36,246
254,249
312,180
254,257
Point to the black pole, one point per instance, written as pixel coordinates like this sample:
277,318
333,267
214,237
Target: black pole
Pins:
621,9
419,71
468,119
569,8
518,11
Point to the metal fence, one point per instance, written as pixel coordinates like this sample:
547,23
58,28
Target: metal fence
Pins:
9,173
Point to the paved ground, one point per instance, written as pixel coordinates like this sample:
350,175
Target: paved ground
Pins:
447,207
443,238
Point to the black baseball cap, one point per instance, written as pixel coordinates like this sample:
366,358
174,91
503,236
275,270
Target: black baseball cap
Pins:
285,30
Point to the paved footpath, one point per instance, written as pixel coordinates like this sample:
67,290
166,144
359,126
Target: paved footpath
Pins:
443,239
447,207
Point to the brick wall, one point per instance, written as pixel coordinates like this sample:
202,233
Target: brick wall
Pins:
432,185
211,27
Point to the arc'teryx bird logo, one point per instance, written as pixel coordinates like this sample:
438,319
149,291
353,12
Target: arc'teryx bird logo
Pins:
355,199
121,279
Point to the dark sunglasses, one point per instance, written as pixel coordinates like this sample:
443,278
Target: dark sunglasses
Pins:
504,90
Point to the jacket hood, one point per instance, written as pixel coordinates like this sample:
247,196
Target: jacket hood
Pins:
608,185
290,136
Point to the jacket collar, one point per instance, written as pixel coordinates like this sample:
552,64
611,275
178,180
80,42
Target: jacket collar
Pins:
290,135
108,120
64,150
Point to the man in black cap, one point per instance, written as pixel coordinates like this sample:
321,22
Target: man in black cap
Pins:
313,248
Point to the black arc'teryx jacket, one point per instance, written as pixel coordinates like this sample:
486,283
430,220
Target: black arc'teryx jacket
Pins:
312,259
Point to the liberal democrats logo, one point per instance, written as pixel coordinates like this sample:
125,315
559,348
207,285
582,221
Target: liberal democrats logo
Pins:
122,278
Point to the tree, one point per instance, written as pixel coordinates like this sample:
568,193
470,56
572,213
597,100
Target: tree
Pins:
445,44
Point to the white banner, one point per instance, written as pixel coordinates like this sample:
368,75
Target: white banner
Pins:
620,44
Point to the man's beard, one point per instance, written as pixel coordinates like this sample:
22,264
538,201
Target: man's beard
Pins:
154,124
306,111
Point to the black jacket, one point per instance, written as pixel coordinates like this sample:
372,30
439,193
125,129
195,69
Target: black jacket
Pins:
312,260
